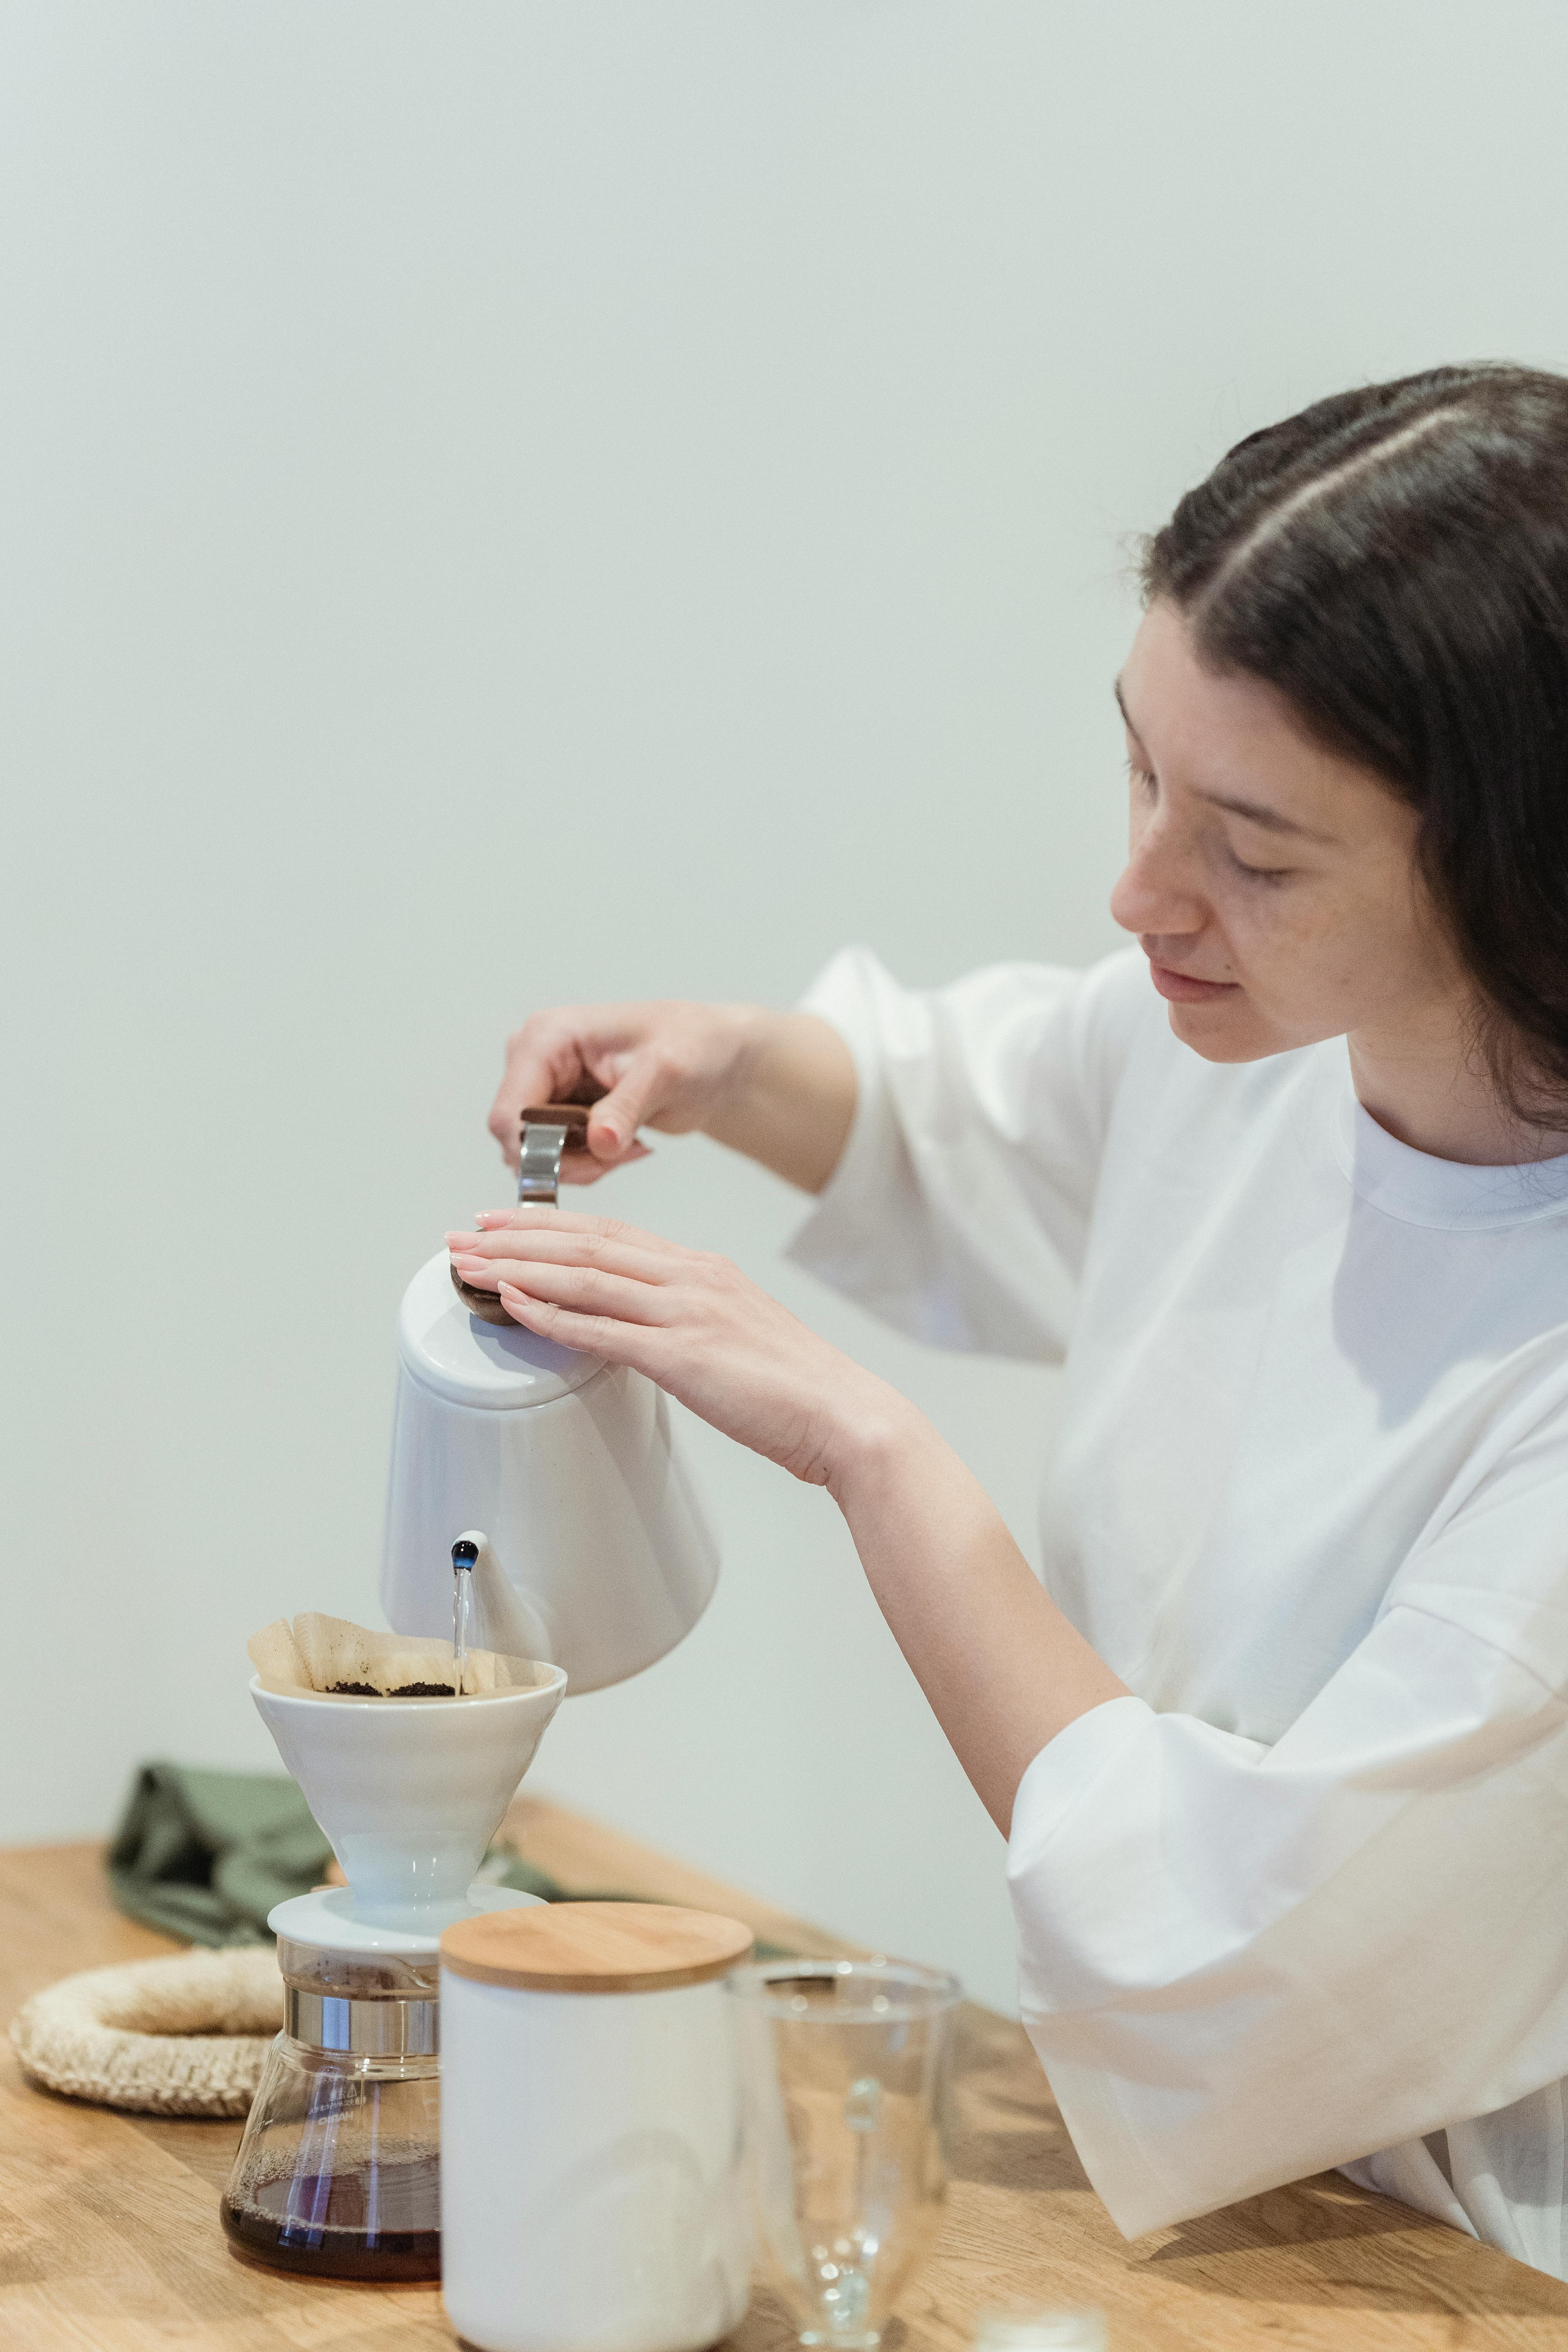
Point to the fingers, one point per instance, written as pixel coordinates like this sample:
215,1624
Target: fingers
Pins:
588,1264
662,1064
585,1289
514,1252
539,1217
568,1237
584,1167
548,1058
543,1064
553,1052
638,1093
592,1335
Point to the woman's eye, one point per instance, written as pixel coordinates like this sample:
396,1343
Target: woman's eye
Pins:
1258,873
1144,777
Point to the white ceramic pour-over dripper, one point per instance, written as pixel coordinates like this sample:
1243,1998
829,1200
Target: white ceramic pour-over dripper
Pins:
409,1793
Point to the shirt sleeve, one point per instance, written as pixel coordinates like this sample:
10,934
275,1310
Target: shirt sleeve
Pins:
960,1206
1241,1964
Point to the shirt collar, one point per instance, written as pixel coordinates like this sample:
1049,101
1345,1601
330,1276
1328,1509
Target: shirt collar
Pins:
1412,1186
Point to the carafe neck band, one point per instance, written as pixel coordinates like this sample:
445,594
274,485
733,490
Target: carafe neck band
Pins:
373,2029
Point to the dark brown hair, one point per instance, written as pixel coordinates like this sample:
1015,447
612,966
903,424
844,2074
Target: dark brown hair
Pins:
1394,562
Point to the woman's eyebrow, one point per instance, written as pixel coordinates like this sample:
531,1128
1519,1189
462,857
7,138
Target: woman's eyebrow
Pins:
1121,706
1256,812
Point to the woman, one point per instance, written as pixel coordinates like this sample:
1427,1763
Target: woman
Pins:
1280,1746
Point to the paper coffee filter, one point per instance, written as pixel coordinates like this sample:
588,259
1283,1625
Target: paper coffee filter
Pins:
333,1655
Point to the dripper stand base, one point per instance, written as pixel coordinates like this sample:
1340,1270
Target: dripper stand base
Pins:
327,1919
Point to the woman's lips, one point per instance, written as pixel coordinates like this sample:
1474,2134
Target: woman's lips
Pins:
1183,989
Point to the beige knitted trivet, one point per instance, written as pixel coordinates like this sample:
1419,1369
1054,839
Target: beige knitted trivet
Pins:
185,2036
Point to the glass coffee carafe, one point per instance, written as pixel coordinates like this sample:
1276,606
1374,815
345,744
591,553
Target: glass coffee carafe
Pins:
338,2170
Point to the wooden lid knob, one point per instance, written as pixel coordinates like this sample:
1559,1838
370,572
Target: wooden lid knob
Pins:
571,1115
595,1947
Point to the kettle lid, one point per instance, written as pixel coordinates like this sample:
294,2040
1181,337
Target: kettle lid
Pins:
492,1367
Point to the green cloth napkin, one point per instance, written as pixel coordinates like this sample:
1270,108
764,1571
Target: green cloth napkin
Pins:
205,1856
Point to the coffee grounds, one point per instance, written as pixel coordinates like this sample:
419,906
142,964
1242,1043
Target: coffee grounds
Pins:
404,1690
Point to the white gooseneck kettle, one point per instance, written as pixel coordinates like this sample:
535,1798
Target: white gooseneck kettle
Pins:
596,1554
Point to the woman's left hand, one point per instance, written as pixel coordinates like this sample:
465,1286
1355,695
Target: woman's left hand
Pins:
691,1321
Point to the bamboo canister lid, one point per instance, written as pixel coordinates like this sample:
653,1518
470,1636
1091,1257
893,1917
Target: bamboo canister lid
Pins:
595,1947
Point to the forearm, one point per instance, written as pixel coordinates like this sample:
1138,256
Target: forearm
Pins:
1002,1667
790,1098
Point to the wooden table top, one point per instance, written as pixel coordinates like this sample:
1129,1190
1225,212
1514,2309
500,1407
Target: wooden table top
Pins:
110,2239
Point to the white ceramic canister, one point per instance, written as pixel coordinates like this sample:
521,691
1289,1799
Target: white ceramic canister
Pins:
568,1464
593,2193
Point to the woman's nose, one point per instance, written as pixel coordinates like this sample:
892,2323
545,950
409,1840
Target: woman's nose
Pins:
1154,893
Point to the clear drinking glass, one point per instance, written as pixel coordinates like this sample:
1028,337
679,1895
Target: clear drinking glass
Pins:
844,2065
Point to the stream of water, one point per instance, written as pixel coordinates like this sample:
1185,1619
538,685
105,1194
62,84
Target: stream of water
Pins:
462,1595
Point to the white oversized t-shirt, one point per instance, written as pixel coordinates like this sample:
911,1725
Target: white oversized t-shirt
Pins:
1302,1900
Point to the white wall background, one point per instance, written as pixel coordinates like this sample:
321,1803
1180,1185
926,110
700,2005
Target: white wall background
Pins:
513,503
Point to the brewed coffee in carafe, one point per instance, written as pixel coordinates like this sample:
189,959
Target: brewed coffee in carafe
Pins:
338,2170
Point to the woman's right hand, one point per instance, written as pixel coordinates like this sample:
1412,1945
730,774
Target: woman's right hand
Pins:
779,1086
665,1066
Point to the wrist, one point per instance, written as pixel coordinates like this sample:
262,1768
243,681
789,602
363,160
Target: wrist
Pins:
750,1104
750,1035
878,1439
783,1091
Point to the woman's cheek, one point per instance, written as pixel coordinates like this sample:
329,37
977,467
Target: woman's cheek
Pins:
1300,962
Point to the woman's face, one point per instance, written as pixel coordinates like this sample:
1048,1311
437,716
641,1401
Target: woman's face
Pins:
1272,885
